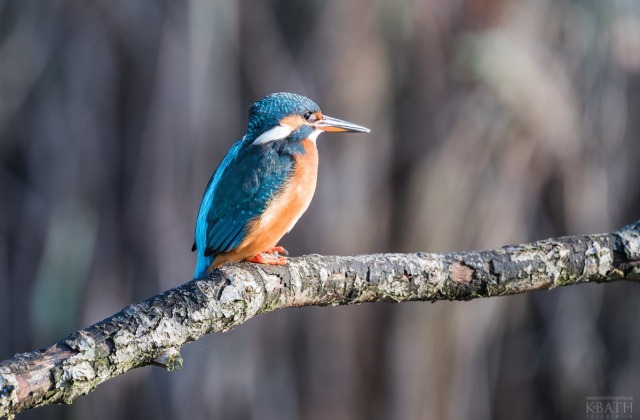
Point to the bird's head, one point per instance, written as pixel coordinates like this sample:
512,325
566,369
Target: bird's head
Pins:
287,115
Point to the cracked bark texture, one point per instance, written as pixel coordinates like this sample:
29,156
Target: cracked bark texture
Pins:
152,332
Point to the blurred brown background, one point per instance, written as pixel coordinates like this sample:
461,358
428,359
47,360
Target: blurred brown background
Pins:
493,122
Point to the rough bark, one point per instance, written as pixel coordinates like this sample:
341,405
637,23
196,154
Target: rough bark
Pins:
153,331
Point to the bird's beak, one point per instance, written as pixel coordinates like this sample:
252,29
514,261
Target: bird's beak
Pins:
335,125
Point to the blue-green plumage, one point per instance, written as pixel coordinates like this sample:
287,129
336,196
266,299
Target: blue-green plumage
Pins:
256,169
268,111
245,188
248,177
237,193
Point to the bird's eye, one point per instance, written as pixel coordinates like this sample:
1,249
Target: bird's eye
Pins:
310,116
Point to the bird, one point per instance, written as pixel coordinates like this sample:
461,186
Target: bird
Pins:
264,183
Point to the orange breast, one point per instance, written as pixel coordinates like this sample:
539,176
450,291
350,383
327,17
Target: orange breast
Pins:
282,212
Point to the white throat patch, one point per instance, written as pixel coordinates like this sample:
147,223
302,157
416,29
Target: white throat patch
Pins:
314,135
276,133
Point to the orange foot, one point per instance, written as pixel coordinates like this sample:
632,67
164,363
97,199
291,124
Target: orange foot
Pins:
270,256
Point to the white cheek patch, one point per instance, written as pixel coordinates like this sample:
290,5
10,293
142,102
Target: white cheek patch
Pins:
276,133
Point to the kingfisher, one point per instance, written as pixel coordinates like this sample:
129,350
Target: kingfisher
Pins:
264,183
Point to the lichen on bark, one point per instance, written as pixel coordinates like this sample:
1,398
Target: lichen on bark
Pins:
153,331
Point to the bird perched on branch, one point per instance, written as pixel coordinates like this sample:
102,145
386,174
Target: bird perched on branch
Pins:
264,183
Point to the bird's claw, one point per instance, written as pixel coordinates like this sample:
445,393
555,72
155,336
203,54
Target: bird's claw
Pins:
269,258
276,249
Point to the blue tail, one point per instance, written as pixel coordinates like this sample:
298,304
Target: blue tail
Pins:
202,264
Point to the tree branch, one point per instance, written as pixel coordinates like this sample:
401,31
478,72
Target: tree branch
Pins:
153,331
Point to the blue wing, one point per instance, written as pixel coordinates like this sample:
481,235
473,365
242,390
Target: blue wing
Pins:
248,177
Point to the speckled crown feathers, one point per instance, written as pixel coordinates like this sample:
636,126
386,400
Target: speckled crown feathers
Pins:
268,111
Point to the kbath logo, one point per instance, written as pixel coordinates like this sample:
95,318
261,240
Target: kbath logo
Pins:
614,407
